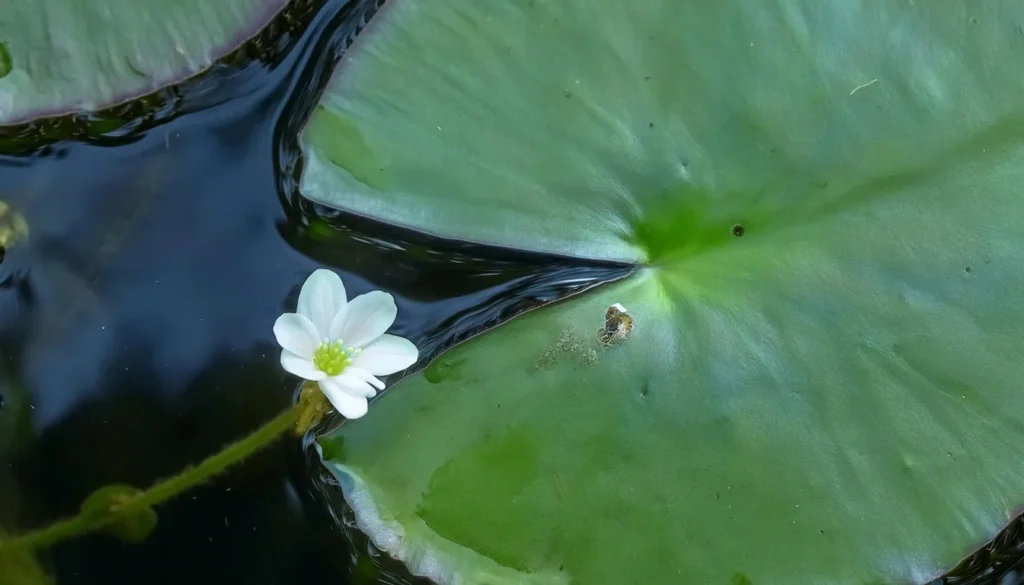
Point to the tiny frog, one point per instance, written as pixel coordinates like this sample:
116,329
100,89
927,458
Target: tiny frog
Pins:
618,325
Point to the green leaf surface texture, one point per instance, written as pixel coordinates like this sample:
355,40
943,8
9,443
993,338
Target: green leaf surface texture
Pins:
823,200
59,56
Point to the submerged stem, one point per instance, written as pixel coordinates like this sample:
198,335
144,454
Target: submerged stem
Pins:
162,490
216,463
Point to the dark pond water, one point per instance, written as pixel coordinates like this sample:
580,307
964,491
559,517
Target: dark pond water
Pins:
136,317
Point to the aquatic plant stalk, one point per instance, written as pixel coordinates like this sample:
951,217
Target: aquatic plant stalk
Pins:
165,489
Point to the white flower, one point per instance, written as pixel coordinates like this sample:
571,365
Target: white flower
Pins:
341,345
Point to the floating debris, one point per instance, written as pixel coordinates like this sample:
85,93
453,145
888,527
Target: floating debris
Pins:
571,344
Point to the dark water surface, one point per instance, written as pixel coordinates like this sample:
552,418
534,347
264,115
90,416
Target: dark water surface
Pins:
137,318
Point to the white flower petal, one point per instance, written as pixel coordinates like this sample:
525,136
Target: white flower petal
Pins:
296,334
321,297
387,355
355,373
368,317
300,366
344,401
355,383
338,324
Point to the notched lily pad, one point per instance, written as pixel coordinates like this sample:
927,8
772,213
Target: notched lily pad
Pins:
814,389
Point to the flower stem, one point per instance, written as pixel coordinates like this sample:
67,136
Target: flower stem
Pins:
56,532
162,490
216,463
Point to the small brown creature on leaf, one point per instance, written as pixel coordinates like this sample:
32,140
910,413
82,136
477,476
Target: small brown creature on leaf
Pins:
618,325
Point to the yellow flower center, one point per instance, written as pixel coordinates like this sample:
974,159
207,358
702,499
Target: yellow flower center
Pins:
333,358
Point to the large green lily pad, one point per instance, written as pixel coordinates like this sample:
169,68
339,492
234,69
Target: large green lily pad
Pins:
72,55
823,200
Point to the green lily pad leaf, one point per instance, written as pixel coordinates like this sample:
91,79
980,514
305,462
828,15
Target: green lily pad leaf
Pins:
58,56
821,380
132,526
